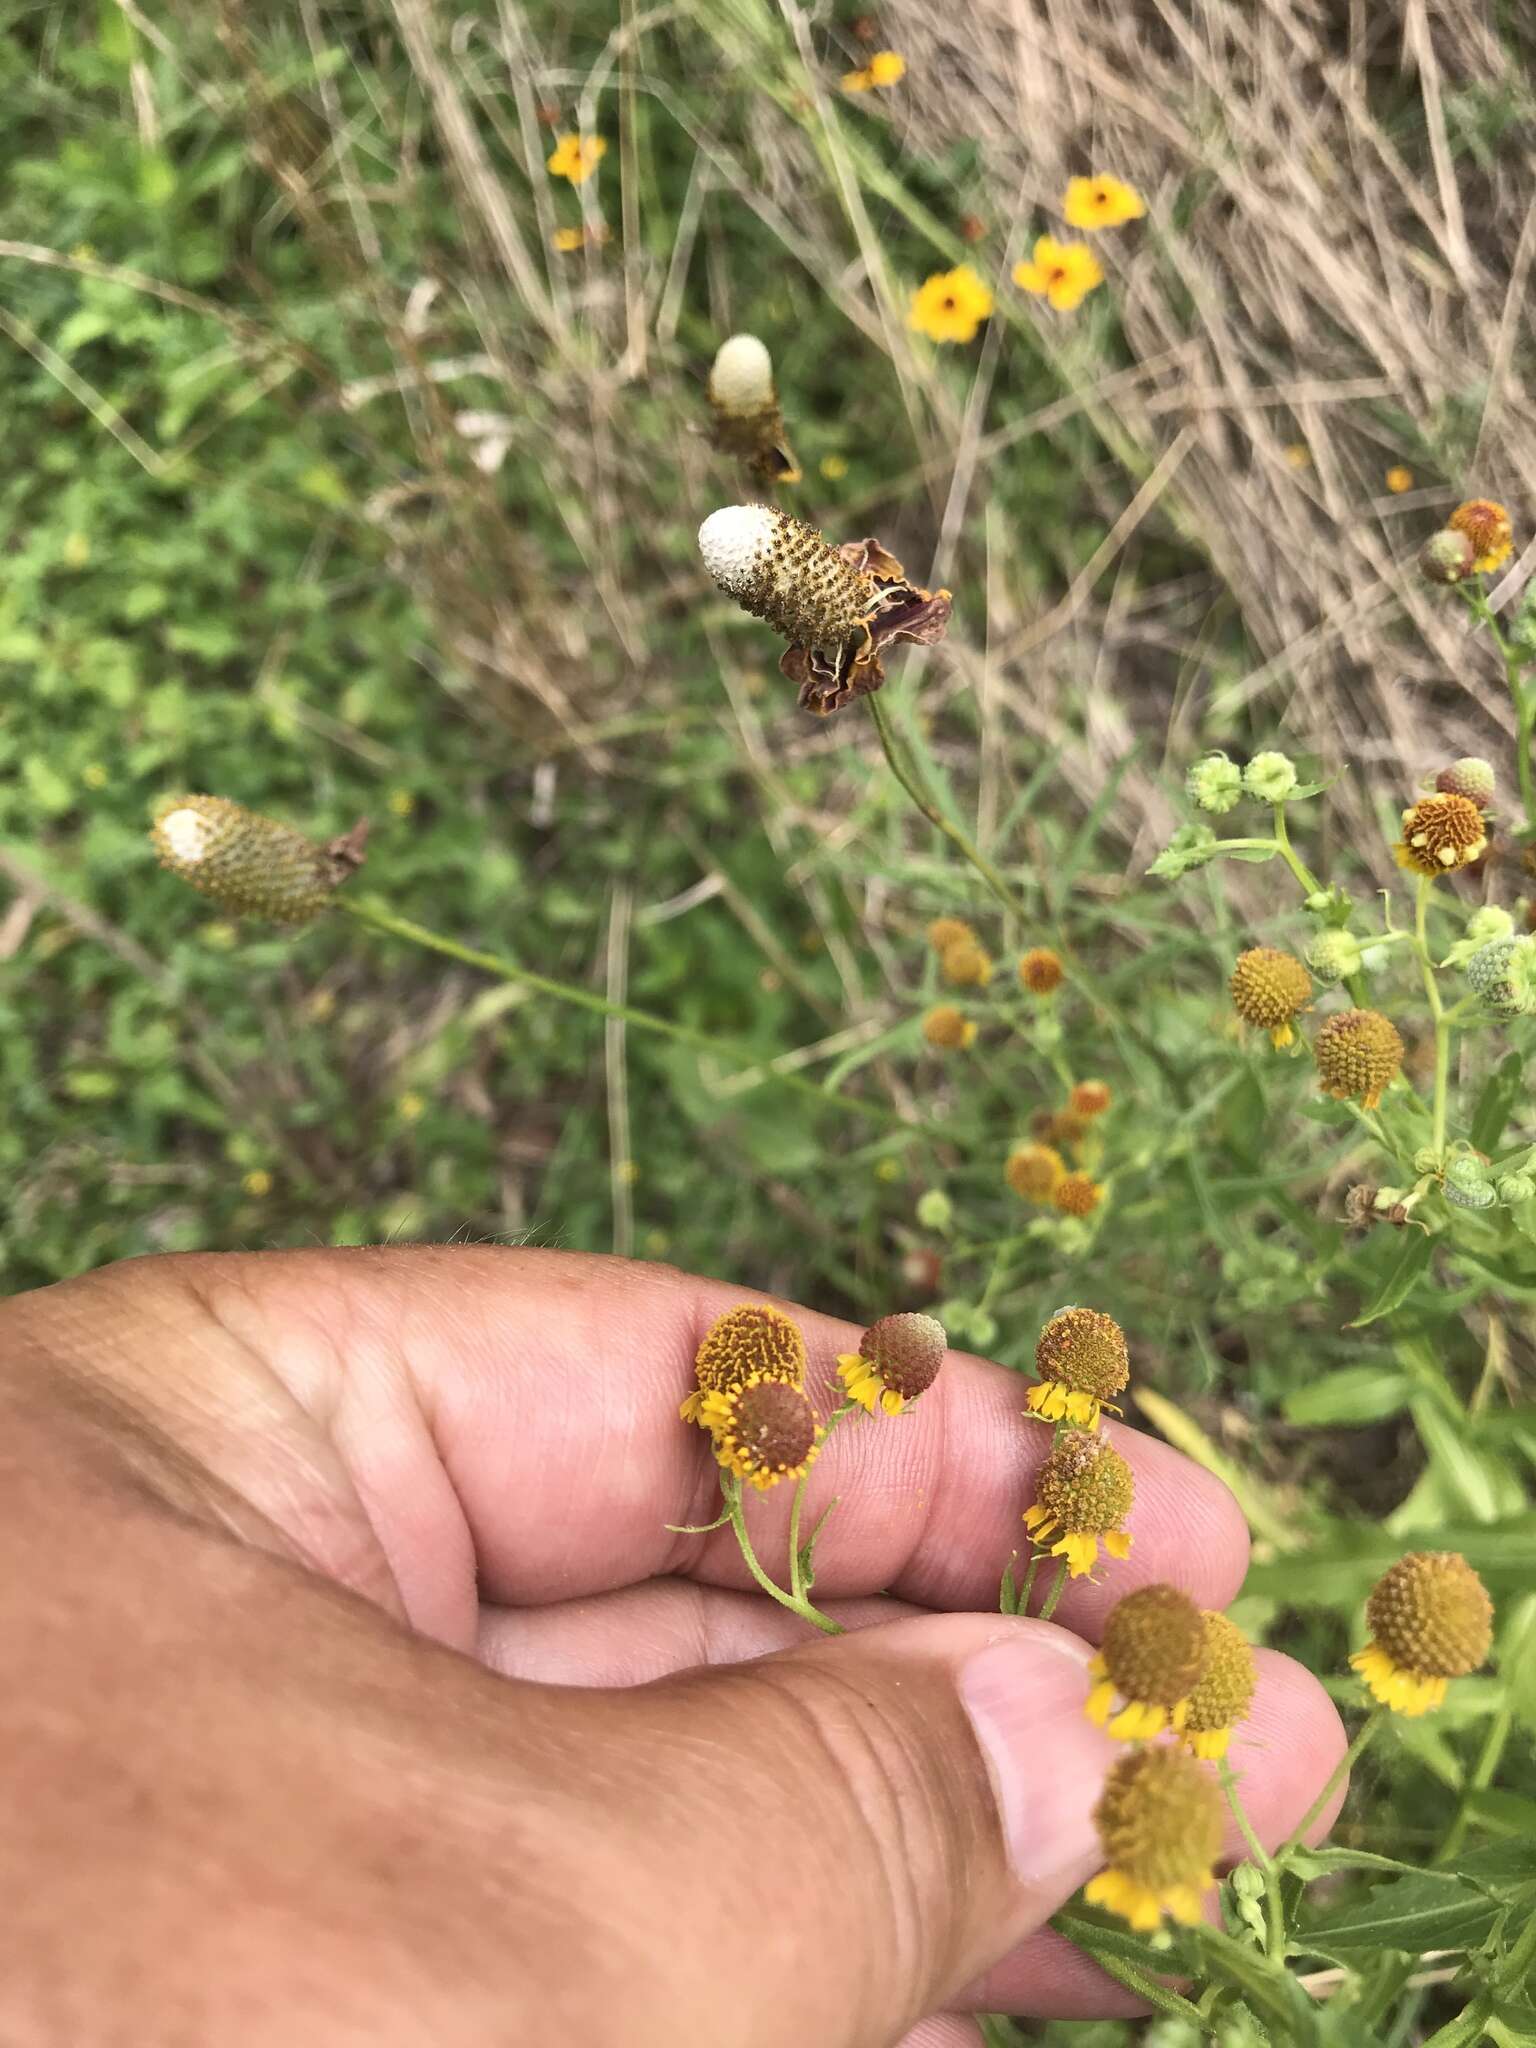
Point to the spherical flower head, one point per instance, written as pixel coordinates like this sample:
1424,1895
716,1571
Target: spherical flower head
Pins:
1490,923
753,1341
1215,783
1399,478
950,305
1430,1621
247,863
1503,976
1101,202
1041,971
1516,1187
1446,557
1084,1493
1089,1098
1160,1821
1358,1055
898,1358
945,932
1471,777
965,965
1268,989
1224,1690
1061,273
1487,526
1334,955
1441,833
741,378
885,68
1076,1194
1467,1185
764,1431
1151,1658
576,157
1271,777
1083,1363
935,1211
948,1029
1033,1171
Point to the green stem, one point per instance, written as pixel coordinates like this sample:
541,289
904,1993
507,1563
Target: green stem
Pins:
1274,1903
1437,1011
1310,885
1524,699
796,1564
1499,1731
1137,1981
1053,1599
730,1488
1341,1770
966,847
375,918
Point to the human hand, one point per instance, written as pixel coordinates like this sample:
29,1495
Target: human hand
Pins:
360,1691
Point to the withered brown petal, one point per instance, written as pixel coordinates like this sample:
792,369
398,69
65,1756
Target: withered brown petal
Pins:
871,556
922,616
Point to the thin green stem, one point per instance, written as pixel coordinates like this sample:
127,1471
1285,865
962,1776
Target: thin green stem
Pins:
730,1488
1341,1771
376,918
796,1562
966,847
1274,1903
1053,1598
1310,885
1523,698
1437,1011
1500,1728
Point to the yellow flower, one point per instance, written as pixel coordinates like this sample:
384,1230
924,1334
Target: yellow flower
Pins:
1160,1822
1359,1054
1062,272
764,1430
950,305
1089,1098
949,1029
568,240
1487,526
1441,832
1225,1689
257,1182
1082,1361
1269,988
402,803
410,1106
1430,1621
1084,1492
1298,455
1151,1658
1399,479
965,965
754,1341
1033,1171
898,1358
576,157
945,932
1041,971
885,67
1077,1194
834,467
1101,202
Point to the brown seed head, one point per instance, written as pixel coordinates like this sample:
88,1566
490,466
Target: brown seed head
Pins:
1077,1194
787,574
1085,1484
1033,1171
1471,777
763,1430
753,1339
1358,1053
1160,1819
1154,1646
247,863
1268,987
1090,1098
906,1350
1041,970
1441,833
1487,526
1084,1350
1224,1691
1430,1614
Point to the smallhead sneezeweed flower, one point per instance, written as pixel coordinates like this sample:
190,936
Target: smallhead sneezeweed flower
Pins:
950,305
1076,1194
1430,1621
1033,1171
1160,1821
945,932
1487,526
1082,1497
1359,1054
965,965
885,67
1446,557
1083,1363
1041,971
1268,989
1503,976
764,1431
839,607
1101,202
1441,833
1215,783
1224,1690
575,157
1470,777
1062,273
745,404
754,1341
1151,1658
948,1029
251,864
898,1358
1089,1098
1399,478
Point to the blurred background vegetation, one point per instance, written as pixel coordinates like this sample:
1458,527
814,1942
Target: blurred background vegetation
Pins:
338,486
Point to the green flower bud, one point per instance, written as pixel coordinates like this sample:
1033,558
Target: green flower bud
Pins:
1190,847
1488,924
1334,955
983,1329
1516,1187
1467,1184
1426,1160
1503,976
1215,783
1270,777
1446,557
935,1211
1471,777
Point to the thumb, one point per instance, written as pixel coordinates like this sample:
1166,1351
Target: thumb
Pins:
828,1844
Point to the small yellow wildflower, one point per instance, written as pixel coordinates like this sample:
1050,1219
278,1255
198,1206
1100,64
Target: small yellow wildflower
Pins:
966,965
950,305
754,1341
1399,479
257,1182
1089,1098
568,240
898,1358
1151,1658
1225,1689
1269,988
1487,525
1442,832
945,932
1041,971
1430,1621
576,157
1064,273
1084,1493
1082,1361
948,1029
1077,1194
834,467
410,1107
885,67
1160,1822
402,803
1101,202
1359,1054
764,1431
1033,1171
1298,455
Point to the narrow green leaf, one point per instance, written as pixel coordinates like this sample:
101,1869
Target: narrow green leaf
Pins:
1412,1260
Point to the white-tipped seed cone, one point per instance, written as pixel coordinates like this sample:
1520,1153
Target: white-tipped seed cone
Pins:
742,377
787,574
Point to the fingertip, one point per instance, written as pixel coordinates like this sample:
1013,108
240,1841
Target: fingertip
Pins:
1285,1752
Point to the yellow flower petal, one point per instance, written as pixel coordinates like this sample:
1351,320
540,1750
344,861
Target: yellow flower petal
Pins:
1100,1700
887,67
1101,202
1080,1551
1118,1543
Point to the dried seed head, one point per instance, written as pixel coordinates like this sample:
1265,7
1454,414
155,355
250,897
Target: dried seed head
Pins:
1224,1691
752,1341
1154,1646
965,965
1033,1171
1358,1054
1090,1098
1441,833
1084,1350
945,932
1077,1194
1430,1614
1160,1821
898,1358
248,863
787,574
748,422
1487,526
1471,777
1085,1485
741,379
1446,557
949,1029
1041,970
764,1431
1268,988
1503,976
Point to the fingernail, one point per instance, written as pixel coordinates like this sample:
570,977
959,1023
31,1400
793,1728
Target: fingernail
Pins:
1024,1697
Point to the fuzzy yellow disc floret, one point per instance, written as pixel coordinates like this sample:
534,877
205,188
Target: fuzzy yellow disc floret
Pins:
1084,1349
1224,1691
1084,1493
945,932
1033,1171
755,1338
1077,1194
1430,1614
1442,832
1154,1646
948,1029
1160,1821
1268,988
965,964
1358,1054
898,1358
1041,970
1487,526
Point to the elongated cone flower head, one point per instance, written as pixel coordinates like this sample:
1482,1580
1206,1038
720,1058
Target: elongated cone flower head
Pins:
249,864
